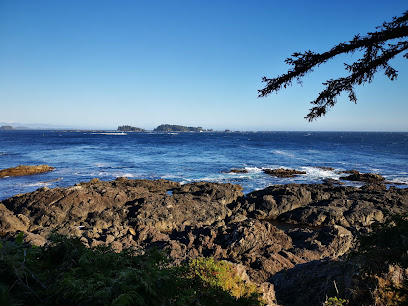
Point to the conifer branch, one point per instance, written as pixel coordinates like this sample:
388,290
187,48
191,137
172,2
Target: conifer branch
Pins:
376,56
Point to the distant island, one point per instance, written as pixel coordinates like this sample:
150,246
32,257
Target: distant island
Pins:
128,128
177,128
6,127
168,128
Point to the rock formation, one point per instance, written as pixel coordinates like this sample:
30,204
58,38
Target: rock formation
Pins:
25,170
272,235
238,171
283,172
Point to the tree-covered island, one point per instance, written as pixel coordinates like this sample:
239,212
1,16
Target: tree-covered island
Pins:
177,128
128,128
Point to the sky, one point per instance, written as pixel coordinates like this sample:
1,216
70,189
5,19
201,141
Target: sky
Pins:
101,64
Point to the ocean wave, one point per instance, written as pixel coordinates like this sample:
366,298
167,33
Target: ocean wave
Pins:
114,134
101,165
43,184
116,174
397,180
284,153
319,173
128,175
253,169
93,174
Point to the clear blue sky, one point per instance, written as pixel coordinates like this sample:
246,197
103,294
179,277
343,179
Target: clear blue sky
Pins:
100,64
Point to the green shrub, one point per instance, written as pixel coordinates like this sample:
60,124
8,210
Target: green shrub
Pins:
221,274
68,273
334,301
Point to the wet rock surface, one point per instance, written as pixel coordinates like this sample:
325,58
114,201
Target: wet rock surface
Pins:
237,171
25,170
272,235
363,177
283,172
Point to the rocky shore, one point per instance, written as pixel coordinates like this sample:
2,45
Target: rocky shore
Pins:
290,240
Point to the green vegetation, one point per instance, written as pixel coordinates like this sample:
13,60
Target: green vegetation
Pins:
221,275
128,128
177,128
334,301
68,273
384,256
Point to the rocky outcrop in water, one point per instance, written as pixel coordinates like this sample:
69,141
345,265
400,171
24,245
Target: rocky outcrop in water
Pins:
283,172
238,171
363,177
25,170
272,235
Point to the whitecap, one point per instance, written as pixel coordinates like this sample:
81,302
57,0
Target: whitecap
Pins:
102,165
253,169
39,184
127,175
398,180
284,153
315,173
114,134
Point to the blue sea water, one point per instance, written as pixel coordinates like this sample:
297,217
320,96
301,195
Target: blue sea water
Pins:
187,157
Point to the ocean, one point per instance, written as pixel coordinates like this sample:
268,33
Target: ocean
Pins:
79,156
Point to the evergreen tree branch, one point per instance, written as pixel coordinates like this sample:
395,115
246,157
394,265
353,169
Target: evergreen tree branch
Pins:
376,56
363,71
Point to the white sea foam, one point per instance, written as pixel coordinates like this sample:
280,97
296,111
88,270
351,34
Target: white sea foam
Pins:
398,180
170,177
114,134
39,184
253,169
101,165
128,175
284,153
318,173
118,174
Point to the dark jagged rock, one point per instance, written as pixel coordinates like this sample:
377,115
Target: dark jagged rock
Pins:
313,282
25,170
270,235
323,204
275,200
283,172
238,171
193,204
332,181
326,168
352,171
364,177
